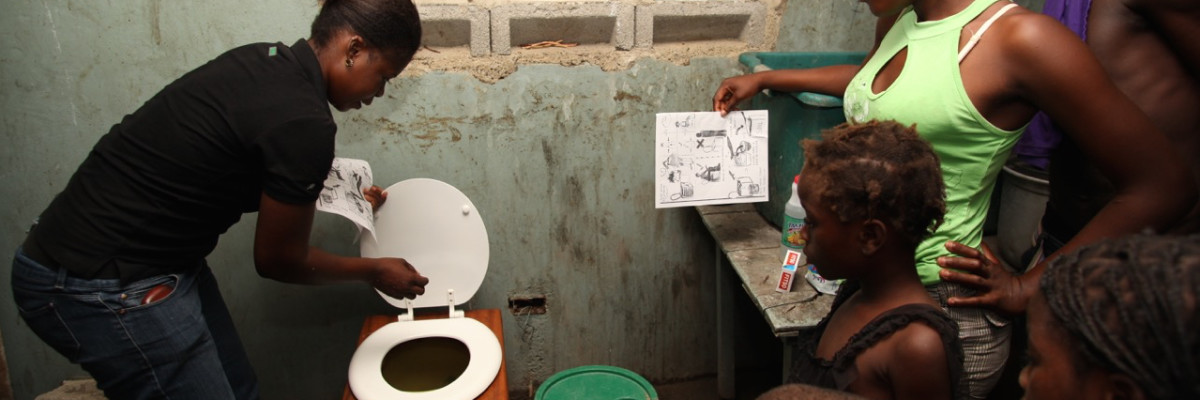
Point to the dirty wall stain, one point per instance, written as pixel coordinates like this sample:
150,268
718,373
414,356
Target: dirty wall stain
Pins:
429,131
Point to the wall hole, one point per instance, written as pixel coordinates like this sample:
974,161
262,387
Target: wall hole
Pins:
693,28
446,33
529,304
581,30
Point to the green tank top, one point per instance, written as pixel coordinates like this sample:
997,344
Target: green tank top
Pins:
929,93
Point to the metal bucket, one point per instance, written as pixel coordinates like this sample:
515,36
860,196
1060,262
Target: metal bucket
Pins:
1023,196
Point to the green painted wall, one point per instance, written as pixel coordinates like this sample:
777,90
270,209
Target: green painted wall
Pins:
557,159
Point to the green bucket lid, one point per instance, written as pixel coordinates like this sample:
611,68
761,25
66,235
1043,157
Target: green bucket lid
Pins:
596,382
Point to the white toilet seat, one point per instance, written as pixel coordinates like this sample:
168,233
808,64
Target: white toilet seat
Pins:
366,377
436,228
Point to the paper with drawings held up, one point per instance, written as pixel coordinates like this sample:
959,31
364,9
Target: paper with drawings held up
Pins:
702,158
343,193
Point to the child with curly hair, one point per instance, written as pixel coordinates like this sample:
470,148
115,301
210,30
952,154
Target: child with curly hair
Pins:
872,192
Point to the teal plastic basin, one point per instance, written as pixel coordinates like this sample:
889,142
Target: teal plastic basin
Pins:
792,117
596,382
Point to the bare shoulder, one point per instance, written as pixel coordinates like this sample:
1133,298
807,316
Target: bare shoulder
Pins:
918,344
1025,31
1038,50
913,362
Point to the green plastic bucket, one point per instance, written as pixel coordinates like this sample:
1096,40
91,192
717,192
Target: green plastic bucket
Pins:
792,117
596,382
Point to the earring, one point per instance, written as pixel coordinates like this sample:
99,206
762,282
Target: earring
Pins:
349,62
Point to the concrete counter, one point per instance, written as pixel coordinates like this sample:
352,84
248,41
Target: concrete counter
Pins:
751,247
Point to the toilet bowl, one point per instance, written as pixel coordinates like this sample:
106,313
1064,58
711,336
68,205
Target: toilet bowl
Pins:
437,229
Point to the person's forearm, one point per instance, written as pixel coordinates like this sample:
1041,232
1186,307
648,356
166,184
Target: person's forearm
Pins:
317,266
1130,212
831,80
1155,207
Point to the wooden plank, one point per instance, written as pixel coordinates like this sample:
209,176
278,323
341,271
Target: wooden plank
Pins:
751,245
802,307
743,230
742,207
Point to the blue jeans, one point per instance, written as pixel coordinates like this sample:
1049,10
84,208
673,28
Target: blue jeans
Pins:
183,346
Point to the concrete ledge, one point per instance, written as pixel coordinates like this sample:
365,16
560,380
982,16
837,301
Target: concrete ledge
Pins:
701,21
582,23
456,26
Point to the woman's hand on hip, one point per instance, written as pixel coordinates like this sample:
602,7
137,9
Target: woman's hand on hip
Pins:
997,288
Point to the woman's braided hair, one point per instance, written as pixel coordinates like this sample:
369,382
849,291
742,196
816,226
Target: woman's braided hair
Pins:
1130,306
881,170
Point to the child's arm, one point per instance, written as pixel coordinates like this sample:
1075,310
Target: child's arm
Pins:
917,364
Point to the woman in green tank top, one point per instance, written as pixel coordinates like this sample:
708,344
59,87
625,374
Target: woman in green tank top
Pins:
971,75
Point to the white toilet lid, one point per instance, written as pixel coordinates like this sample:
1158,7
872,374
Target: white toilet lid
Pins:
438,230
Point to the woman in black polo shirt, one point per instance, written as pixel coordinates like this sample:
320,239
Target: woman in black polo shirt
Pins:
114,274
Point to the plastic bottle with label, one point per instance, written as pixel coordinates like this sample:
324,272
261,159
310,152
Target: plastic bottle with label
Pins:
793,223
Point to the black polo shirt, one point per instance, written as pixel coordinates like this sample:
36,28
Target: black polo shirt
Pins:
157,190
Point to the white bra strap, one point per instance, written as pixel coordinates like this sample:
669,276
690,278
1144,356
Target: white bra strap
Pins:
987,24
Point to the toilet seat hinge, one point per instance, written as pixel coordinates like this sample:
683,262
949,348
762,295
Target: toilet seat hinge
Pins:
408,316
450,302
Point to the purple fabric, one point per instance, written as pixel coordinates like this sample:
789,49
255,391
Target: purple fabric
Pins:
1043,135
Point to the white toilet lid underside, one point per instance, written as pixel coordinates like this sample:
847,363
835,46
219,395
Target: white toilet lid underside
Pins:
438,230
366,372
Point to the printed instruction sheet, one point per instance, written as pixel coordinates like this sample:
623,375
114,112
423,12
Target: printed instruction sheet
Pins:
702,158
343,193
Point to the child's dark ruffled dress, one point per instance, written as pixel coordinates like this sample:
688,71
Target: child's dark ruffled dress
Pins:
839,372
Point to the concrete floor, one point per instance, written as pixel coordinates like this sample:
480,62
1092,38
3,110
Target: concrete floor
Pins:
758,355
750,384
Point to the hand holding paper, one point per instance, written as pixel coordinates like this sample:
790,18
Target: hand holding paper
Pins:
348,192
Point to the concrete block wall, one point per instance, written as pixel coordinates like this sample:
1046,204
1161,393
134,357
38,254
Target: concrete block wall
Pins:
693,21
583,23
497,28
454,25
